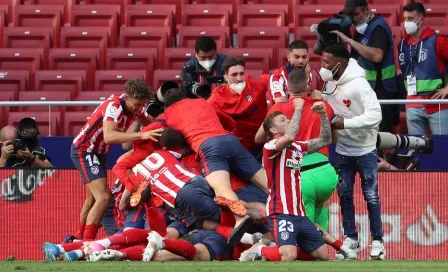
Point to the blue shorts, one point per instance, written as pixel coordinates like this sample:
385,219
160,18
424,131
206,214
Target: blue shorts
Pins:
257,153
110,220
291,230
197,198
182,216
228,154
171,222
252,193
91,165
215,243
136,217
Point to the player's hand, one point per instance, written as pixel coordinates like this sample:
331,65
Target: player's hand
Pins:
338,123
341,35
319,107
24,154
298,103
151,135
7,150
382,164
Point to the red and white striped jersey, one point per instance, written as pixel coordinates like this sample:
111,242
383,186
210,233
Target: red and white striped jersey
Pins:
283,172
165,173
91,137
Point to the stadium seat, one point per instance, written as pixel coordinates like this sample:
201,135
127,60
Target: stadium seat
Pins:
4,111
41,16
234,3
176,57
75,121
22,59
72,81
11,8
189,34
436,14
66,3
114,80
263,15
76,59
44,96
315,61
291,6
86,37
161,76
253,73
14,81
97,16
93,96
306,15
146,37
124,4
328,2
4,20
178,3
207,15
255,58
389,12
151,15
441,30
303,33
2,25
49,124
29,37
132,59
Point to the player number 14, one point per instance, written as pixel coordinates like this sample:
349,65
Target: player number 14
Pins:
92,160
284,225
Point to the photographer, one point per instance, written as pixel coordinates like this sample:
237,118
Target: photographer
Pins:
18,152
373,48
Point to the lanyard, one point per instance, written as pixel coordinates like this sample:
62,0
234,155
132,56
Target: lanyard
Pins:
414,55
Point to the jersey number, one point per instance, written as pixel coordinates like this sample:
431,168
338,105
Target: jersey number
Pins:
152,162
284,225
92,160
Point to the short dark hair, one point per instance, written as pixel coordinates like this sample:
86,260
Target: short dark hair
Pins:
338,51
351,5
298,44
415,6
268,122
173,95
171,139
232,61
138,89
205,44
298,81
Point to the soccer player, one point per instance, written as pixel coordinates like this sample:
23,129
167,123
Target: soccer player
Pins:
282,158
106,126
297,58
243,99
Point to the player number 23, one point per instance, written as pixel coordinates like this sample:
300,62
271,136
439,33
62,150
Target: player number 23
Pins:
284,225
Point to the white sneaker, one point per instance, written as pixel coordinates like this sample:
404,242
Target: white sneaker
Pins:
155,243
251,254
378,251
348,253
348,243
106,255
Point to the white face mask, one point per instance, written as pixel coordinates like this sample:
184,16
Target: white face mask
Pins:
411,27
207,64
238,87
326,74
361,28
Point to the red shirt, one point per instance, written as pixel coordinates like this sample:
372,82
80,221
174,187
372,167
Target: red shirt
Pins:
309,122
283,172
91,137
248,109
442,58
196,119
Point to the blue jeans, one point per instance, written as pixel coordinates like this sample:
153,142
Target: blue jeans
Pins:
366,166
417,119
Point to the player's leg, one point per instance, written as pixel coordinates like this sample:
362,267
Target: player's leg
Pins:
346,251
310,239
135,218
100,191
110,222
308,194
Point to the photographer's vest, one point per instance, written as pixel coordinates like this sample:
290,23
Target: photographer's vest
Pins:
388,69
421,60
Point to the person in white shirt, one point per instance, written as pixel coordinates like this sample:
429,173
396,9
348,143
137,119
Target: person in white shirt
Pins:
357,117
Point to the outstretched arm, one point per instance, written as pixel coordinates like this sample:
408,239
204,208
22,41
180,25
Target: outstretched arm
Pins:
325,129
293,127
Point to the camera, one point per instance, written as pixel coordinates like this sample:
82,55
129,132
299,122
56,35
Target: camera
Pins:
193,88
28,133
339,22
19,144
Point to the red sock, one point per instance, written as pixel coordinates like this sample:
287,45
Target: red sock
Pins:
80,231
302,256
181,248
72,246
91,231
337,245
119,247
136,236
271,253
224,231
155,219
134,253
227,218
117,239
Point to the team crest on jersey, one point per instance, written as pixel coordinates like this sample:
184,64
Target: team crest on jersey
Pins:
112,110
94,169
275,85
249,98
284,235
401,58
364,41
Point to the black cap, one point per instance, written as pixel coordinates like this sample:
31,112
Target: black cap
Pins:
351,5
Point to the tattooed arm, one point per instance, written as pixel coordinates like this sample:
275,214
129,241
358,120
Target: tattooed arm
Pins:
325,129
293,127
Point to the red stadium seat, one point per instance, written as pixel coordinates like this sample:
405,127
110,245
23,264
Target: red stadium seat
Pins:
4,111
66,3
207,15
306,15
303,33
11,8
98,16
93,96
49,124
176,57
44,96
2,24
328,2
86,37
76,59
389,12
253,73
124,4
114,80
291,6
132,59
72,81
75,121
399,2
42,16
151,15
441,30
234,3
29,37
436,14
146,37
263,15
22,59
161,76
14,81
255,58
4,20
179,6
189,34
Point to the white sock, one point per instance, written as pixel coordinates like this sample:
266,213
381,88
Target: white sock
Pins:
79,253
61,248
259,250
104,242
247,239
